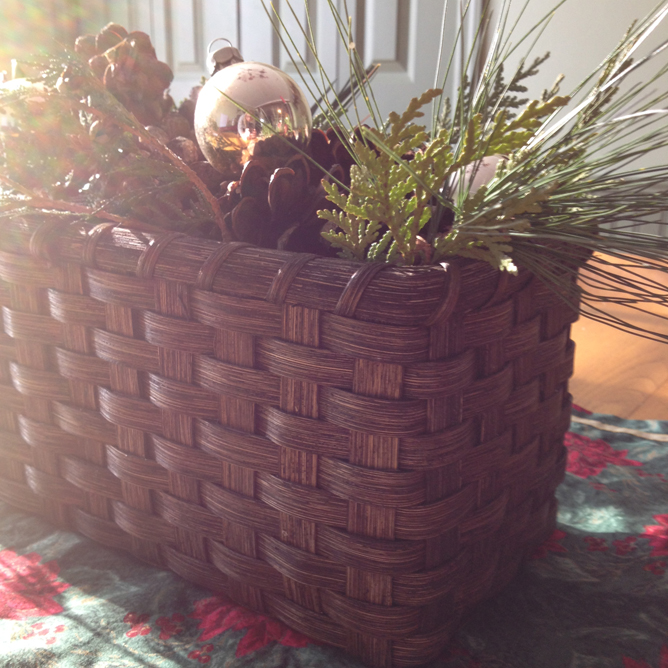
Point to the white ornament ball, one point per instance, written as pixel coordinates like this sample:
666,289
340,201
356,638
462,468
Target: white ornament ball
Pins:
478,173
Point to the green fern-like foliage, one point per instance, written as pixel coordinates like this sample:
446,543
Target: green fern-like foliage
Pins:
484,233
389,199
399,178
506,136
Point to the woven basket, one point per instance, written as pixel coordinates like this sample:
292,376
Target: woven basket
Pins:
361,451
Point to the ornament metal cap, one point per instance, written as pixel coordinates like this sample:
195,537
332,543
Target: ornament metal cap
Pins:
226,55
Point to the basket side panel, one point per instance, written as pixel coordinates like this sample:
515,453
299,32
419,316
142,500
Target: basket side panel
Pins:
363,453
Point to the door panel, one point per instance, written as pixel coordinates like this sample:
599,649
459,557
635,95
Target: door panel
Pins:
186,48
257,36
382,31
402,35
317,22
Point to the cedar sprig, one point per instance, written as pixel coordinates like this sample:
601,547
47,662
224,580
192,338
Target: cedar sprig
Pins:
383,214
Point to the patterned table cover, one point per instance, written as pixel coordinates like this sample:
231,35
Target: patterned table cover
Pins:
595,595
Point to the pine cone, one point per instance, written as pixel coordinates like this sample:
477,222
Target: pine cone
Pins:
128,66
185,148
175,125
275,202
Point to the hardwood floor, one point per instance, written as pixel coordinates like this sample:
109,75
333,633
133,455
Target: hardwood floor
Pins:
619,373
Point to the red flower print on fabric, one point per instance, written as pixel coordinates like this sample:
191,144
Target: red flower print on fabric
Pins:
27,587
644,474
550,545
595,544
656,567
601,487
625,546
217,615
658,536
201,655
588,457
170,626
663,661
139,625
39,630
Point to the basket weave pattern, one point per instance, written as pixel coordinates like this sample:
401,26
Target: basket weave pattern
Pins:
360,451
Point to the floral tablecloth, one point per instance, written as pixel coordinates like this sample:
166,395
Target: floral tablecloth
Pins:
595,595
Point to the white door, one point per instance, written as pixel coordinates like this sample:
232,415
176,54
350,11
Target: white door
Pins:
402,35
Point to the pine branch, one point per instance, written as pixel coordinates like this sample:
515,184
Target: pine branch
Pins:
40,202
132,126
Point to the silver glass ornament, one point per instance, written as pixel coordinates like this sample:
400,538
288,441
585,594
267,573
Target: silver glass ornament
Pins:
243,104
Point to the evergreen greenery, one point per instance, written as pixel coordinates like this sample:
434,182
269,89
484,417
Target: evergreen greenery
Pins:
565,189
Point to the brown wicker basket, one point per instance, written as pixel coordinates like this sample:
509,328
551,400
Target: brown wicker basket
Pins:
361,451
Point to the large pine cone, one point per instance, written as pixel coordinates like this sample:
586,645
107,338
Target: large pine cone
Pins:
275,202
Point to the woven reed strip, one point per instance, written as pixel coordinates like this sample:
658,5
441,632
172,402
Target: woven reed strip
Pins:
361,451
248,272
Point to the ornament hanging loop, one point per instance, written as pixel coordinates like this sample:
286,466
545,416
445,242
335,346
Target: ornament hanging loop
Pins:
222,57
